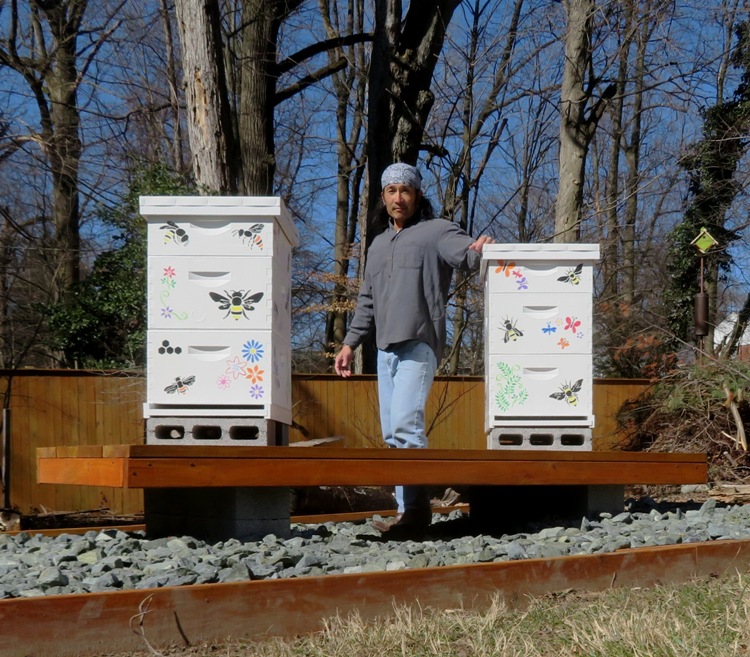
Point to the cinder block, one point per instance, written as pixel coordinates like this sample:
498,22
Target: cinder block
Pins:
218,514
231,431
557,439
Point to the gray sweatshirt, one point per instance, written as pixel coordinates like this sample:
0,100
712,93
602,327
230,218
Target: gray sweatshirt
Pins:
407,279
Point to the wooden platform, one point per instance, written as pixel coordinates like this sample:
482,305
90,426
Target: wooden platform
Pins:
159,466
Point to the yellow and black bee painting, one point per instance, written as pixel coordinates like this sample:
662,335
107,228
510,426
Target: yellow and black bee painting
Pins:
511,331
237,303
568,393
173,233
572,276
180,385
251,236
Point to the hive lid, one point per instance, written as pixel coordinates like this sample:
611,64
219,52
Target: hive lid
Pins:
219,208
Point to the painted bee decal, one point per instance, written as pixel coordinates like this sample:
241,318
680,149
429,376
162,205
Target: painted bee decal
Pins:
236,302
251,235
512,332
572,276
175,234
180,385
568,393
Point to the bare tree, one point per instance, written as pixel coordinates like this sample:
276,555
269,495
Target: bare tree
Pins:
214,153
49,50
349,88
481,128
404,56
580,112
40,45
250,148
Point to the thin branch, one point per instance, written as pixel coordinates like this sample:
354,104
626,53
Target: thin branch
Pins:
286,65
309,80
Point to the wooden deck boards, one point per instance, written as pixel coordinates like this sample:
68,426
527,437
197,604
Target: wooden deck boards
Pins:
159,466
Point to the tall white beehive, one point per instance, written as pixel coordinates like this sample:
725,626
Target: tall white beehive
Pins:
538,345
219,316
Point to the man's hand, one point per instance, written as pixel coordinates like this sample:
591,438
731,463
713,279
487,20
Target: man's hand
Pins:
343,363
479,244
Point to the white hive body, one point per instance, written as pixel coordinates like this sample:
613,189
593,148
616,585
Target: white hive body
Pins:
219,316
538,345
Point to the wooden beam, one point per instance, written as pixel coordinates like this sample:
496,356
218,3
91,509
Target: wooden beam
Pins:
83,471
208,472
314,453
156,466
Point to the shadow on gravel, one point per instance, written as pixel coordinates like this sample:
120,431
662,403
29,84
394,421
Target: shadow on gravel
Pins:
465,526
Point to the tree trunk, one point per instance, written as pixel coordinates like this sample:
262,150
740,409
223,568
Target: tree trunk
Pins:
61,132
174,93
633,181
578,118
574,138
404,56
214,154
261,19
610,259
349,87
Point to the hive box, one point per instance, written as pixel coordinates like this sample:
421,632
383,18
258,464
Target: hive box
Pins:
219,308
538,345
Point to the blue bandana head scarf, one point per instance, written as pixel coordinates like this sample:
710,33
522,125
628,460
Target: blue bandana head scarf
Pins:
401,174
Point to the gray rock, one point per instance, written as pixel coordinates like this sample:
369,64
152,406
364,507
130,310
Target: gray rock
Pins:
51,576
515,551
114,560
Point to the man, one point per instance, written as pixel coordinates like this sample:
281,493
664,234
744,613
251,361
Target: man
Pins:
403,297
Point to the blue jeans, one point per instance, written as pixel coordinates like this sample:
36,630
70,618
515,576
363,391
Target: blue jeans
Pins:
405,375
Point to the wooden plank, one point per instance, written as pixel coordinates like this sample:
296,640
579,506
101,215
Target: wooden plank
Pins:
78,451
82,471
31,395
208,472
68,397
90,624
350,454
115,451
382,454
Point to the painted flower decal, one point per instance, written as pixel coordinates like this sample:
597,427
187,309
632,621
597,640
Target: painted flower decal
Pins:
166,312
236,367
168,277
254,373
256,391
252,350
223,382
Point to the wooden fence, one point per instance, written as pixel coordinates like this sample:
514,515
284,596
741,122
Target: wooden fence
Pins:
50,408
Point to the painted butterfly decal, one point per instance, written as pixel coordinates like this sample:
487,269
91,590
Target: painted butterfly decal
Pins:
572,324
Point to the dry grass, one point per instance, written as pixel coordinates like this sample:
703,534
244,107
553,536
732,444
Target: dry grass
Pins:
708,617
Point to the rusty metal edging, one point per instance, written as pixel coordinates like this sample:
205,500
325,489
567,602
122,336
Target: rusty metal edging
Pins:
84,624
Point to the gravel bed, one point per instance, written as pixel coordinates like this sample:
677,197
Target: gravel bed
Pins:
35,565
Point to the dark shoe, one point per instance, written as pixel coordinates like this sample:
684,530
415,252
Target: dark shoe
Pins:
411,520
385,525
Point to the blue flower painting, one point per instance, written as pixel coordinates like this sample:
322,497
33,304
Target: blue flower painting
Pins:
252,351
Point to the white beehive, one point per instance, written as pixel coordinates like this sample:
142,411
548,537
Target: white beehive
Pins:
538,344
219,307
